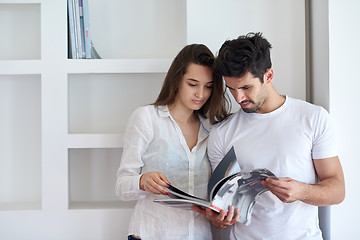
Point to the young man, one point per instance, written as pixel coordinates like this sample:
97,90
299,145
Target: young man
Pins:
292,138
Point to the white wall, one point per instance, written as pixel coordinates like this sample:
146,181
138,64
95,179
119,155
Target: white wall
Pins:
319,53
318,75
344,52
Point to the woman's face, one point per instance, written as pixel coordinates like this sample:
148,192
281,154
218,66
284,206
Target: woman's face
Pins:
195,87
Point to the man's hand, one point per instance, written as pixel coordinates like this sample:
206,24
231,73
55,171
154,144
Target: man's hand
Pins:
154,182
286,189
219,220
328,191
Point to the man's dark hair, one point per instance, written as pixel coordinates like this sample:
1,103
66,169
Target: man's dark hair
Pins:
249,53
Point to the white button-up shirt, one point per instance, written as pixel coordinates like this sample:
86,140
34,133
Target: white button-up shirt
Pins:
154,142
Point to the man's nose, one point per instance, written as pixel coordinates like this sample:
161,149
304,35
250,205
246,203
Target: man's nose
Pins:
239,96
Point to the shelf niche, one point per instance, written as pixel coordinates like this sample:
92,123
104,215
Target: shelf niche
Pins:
102,103
20,142
161,30
22,27
92,178
123,30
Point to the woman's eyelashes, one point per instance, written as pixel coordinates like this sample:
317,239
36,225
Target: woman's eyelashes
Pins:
210,86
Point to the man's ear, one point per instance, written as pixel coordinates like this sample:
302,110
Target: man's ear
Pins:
268,76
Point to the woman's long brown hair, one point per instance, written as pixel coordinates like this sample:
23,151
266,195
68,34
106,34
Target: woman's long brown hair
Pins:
216,107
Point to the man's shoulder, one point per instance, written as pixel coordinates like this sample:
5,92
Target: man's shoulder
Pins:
304,106
229,121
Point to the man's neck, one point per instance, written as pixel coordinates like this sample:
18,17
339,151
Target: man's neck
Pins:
272,102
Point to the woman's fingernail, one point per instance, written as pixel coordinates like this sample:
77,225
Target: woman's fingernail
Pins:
167,193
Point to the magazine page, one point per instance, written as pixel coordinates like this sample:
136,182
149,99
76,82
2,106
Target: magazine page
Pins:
180,199
218,185
175,192
241,191
183,203
228,166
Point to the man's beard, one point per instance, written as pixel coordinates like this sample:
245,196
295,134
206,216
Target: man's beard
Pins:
253,109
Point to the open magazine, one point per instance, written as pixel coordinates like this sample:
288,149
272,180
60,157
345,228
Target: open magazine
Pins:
228,186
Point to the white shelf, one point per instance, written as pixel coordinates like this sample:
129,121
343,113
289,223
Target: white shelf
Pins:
19,67
16,206
89,66
117,65
20,1
95,140
102,205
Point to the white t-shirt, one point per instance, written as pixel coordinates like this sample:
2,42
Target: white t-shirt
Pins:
154,142
285,141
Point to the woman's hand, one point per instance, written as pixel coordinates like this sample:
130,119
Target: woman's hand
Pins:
154,182
220,220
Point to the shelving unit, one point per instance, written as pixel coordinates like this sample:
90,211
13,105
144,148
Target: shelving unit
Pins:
62,120
70,173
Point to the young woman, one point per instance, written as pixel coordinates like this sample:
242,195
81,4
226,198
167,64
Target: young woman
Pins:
165,143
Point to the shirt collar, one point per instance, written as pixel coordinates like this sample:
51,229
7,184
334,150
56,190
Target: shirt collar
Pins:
205,125
163,111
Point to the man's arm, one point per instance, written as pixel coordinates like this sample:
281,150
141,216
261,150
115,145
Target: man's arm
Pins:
328,191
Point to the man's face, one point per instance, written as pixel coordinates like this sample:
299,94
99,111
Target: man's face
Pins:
248,91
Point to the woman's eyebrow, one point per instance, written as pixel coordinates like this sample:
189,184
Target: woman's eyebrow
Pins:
194,80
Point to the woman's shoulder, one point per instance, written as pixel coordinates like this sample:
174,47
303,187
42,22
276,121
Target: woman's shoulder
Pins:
151,111
141,112
146,109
